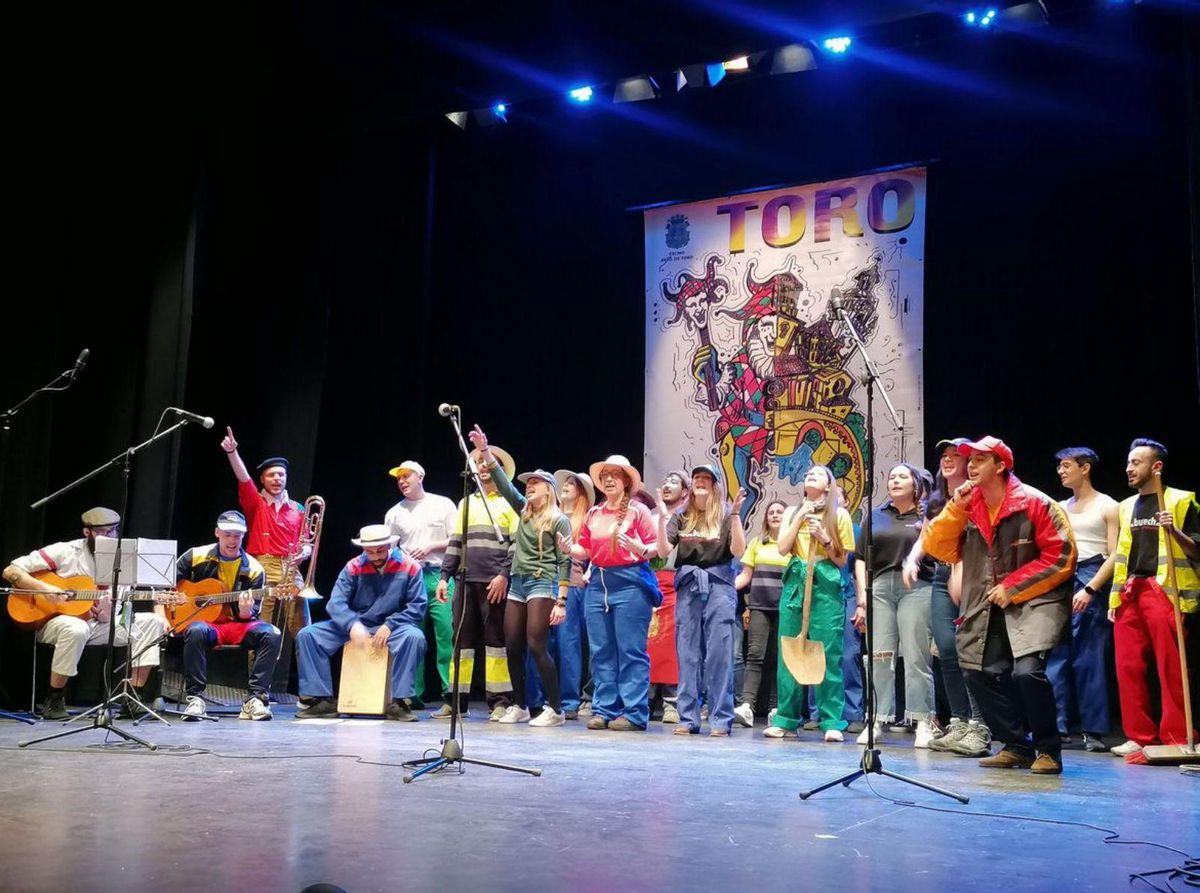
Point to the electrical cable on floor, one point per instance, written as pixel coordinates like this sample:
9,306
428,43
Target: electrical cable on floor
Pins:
1188,871
188,751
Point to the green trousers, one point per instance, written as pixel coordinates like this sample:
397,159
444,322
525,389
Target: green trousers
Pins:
827,627
438,617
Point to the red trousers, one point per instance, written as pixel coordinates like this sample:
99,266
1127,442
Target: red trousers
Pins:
1145,628
660,642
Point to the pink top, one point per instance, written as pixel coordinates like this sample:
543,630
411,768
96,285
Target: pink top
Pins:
596,534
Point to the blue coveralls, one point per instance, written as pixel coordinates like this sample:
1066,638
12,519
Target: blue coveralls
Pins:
705,618
617,605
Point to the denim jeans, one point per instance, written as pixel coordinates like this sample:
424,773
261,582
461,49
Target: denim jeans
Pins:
901,618
942,614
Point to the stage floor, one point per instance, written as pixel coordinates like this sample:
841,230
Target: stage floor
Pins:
279,805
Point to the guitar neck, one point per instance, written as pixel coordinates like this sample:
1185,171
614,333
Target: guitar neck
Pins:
230,597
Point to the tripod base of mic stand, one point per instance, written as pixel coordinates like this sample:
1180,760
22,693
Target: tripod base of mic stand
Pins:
452,753
102,720
123,695
873,765
19,717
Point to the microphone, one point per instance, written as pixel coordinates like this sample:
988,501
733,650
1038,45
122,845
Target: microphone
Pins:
80,362
835,299
448,409
202,420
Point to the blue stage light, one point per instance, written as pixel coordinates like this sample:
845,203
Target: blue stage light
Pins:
500,108
980,19
969,18
581,94
836,44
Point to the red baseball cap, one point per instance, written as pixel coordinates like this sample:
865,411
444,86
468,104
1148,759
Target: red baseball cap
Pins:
988,444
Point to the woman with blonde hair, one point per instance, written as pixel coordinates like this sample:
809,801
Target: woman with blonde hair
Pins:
708,535
820,530
537,566
617,538
762,573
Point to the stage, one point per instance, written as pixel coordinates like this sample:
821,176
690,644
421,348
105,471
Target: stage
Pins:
279,805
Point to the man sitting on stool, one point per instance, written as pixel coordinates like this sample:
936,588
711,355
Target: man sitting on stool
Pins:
379,599
238,624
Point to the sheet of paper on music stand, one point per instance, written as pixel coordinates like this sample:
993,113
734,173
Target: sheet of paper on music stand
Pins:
106,551
155,563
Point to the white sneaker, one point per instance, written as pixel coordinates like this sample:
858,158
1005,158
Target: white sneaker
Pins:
862,736
926,733
585,708
195,708
514,714
255,709
497,713
547,718
833,735
743,714
776,732
1124,750
771,714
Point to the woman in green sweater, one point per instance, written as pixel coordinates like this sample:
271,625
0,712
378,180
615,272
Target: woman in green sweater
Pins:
537,592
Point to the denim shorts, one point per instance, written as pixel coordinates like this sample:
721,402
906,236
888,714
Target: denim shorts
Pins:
523,587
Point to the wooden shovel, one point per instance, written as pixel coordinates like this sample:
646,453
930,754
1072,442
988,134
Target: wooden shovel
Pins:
805,659
1174,753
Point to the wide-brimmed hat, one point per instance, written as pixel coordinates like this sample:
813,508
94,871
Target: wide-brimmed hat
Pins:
580,478
375,535
503,457
989,444
541,475
618,461
408,466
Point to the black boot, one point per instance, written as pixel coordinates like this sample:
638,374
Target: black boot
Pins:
55,707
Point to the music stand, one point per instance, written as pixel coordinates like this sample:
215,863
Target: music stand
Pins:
149,564
102,718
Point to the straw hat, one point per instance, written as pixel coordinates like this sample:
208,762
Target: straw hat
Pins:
501,456
584,482
617,461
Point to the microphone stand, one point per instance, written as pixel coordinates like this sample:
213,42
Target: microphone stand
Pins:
871,763
103,717
452,749
60,382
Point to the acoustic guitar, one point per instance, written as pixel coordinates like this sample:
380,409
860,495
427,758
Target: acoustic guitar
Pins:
32,607
204,600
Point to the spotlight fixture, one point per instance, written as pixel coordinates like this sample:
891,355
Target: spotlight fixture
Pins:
487,117
837,45
976,19
635,89
581,94
741,63
458,119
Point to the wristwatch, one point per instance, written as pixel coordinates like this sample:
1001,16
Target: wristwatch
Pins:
1089,590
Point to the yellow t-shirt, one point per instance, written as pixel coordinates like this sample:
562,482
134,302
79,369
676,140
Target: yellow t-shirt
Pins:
227,571
845,534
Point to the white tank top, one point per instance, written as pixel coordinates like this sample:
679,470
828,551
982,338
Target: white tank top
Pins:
1091,533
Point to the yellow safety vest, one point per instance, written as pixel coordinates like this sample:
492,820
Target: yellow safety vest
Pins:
1186,576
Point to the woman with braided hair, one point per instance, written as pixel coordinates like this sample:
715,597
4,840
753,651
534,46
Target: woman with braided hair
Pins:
617,538
541,576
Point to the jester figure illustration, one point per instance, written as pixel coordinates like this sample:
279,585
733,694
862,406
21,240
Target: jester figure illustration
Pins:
783,400
693,297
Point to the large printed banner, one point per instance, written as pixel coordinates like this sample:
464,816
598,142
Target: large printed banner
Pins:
749,367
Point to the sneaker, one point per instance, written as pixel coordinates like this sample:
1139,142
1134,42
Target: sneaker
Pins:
743,715
195,709
548,717
952,735
1006,759
862,738
1094,743
319,708
670,714
498,713
718,733
833,736
445,710
812,725
771,714
926,732
976,741
776,732
622,724
571,714
585,708
56,706
855,727
513,715
704,713
597,723
253,708
1046,765
399,711
1126,749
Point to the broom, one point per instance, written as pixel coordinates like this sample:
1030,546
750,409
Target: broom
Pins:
1174,753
